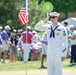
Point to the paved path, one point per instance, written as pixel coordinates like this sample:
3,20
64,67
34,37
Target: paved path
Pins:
37,72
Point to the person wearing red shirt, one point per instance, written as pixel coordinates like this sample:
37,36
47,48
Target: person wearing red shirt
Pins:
26,37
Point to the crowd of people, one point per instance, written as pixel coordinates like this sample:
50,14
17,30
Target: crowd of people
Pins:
56,44
71,30
26,45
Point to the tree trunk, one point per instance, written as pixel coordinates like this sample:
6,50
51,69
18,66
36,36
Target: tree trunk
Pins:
66,15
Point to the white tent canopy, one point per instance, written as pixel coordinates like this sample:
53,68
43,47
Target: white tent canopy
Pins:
71,21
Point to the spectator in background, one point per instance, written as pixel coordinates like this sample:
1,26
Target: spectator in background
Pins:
72,38
65,23
26,37
36,38
35,45
44,49
0,42
66,26
69,44
5,42
20,49
13,46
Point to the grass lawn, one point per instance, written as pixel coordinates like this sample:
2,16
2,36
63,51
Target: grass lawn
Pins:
20,65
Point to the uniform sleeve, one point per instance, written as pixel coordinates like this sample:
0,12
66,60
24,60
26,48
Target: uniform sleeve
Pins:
40,26
64,42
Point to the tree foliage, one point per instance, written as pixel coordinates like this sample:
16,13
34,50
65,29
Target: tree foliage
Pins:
9,10
35,13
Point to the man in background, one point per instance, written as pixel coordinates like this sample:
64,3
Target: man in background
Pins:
26,37
44,49
5,42
72,38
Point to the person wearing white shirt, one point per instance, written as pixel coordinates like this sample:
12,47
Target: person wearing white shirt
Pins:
72,38
69,44
36,38
57,43
44,49
35,46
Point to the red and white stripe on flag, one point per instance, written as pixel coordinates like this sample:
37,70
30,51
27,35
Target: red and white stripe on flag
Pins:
23,16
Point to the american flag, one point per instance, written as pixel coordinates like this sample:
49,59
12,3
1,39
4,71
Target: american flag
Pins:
23,14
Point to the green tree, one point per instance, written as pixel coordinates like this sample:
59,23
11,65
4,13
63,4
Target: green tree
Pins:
35,13
9,11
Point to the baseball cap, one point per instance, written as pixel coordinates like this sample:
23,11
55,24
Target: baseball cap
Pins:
34,32
14,30
7,27
28,27
52,14
71,26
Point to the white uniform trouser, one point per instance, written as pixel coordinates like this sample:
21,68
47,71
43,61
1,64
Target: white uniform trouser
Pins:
26,49
54,65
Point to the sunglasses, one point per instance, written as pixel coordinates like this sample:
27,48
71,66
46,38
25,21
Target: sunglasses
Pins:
53,16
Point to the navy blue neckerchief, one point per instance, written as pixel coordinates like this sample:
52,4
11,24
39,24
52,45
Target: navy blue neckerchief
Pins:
52,34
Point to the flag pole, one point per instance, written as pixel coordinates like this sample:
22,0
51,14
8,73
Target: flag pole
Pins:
26,30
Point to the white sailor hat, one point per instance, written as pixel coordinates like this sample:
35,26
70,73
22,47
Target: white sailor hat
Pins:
54,14
7,27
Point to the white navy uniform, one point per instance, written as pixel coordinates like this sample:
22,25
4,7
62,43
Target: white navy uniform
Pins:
57,47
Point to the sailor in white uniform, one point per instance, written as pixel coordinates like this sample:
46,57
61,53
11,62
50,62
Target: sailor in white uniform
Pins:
57,43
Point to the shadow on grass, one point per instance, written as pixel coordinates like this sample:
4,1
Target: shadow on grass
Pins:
43,68
67,66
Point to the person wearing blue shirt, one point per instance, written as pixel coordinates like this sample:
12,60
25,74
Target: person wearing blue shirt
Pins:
5,42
